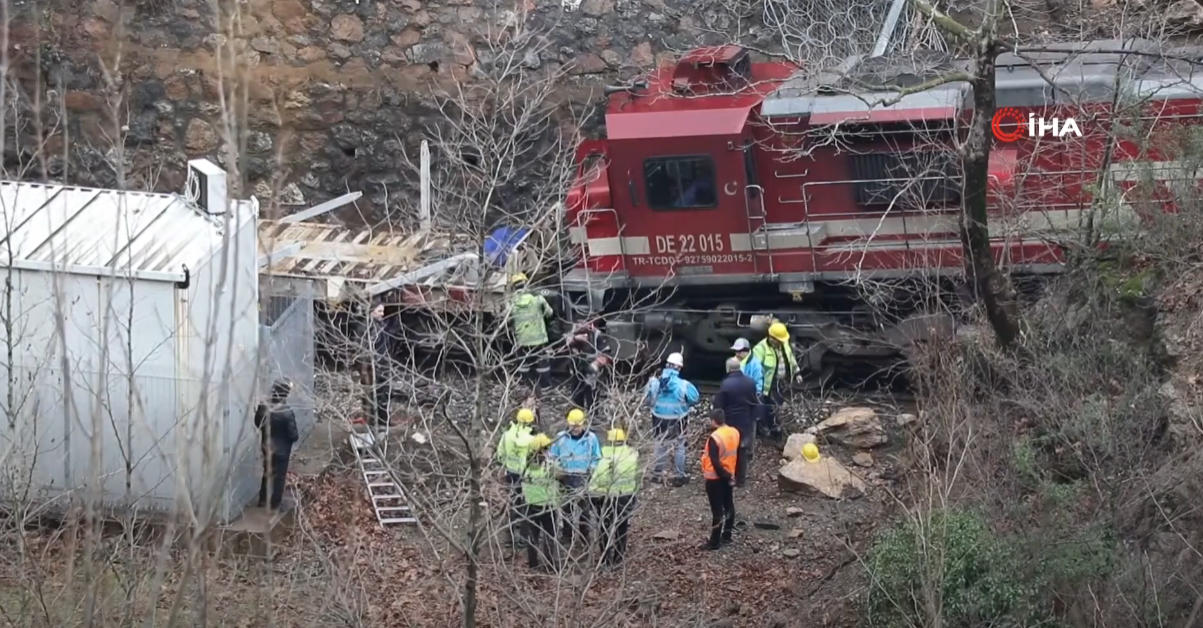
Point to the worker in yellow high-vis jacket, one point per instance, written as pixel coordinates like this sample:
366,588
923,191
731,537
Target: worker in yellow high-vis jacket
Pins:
612,489
512,452
543,496
528,314
776,358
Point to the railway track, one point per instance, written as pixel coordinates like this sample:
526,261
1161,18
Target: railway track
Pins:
848,393
870,391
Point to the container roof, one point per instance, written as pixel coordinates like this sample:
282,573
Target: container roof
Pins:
98,232
323,251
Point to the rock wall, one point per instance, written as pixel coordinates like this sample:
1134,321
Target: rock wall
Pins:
338,89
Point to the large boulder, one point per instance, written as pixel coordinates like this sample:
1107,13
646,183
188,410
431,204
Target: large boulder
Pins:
793,446
827,478
852,427
1186,13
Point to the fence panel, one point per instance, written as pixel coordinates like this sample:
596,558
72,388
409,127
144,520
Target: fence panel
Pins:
286,352
290,355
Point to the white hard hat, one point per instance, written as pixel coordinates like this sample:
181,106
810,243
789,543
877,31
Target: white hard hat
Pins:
741,345
676,360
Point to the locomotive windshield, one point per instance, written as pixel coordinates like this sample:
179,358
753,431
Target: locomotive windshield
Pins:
680,182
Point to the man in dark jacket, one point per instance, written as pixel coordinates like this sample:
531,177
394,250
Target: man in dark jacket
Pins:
277,427
590,357
380,335
737,398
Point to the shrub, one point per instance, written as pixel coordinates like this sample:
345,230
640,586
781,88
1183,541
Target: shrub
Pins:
952,564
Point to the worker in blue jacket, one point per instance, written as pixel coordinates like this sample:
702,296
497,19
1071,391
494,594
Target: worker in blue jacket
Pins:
750,363
671,398
576,452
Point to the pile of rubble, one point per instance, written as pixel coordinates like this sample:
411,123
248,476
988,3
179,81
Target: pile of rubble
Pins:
858,429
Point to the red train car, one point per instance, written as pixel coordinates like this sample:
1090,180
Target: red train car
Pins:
729,192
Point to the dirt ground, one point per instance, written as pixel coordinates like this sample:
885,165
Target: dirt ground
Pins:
785,568
337,567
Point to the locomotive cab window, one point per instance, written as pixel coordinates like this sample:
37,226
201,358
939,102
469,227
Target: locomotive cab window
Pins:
680,182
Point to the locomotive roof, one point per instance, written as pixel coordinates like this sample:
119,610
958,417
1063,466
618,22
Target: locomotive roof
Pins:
866,89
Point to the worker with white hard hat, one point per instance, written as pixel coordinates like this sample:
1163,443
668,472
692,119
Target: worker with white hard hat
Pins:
751,366
776,356
671,398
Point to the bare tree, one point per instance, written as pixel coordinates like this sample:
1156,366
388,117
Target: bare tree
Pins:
97,430
502,158
1018,448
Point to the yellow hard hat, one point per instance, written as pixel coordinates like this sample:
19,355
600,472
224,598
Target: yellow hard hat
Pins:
525,416
779,332
540,441
617,435
810,452
576,417
518,278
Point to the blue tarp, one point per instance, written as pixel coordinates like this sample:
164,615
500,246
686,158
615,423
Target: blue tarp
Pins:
502,242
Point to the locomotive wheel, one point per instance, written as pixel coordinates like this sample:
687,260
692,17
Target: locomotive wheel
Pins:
813,381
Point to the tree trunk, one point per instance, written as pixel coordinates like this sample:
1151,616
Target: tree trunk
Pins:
476,469
989,285
473,554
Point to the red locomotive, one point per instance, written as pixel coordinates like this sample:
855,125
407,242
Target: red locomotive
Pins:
729,192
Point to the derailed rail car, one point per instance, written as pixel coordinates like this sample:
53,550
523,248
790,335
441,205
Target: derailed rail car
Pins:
429,283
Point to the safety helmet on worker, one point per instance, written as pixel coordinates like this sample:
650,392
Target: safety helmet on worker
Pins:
518,278
675,359
525,415
778,332
617,435
539,442
576,416
741,345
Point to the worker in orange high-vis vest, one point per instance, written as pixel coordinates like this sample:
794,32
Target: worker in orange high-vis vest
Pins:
718,467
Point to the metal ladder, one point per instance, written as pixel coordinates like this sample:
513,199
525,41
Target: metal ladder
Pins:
753,228
388,502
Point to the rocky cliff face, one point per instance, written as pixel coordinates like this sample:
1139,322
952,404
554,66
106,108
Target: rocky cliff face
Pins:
337,90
